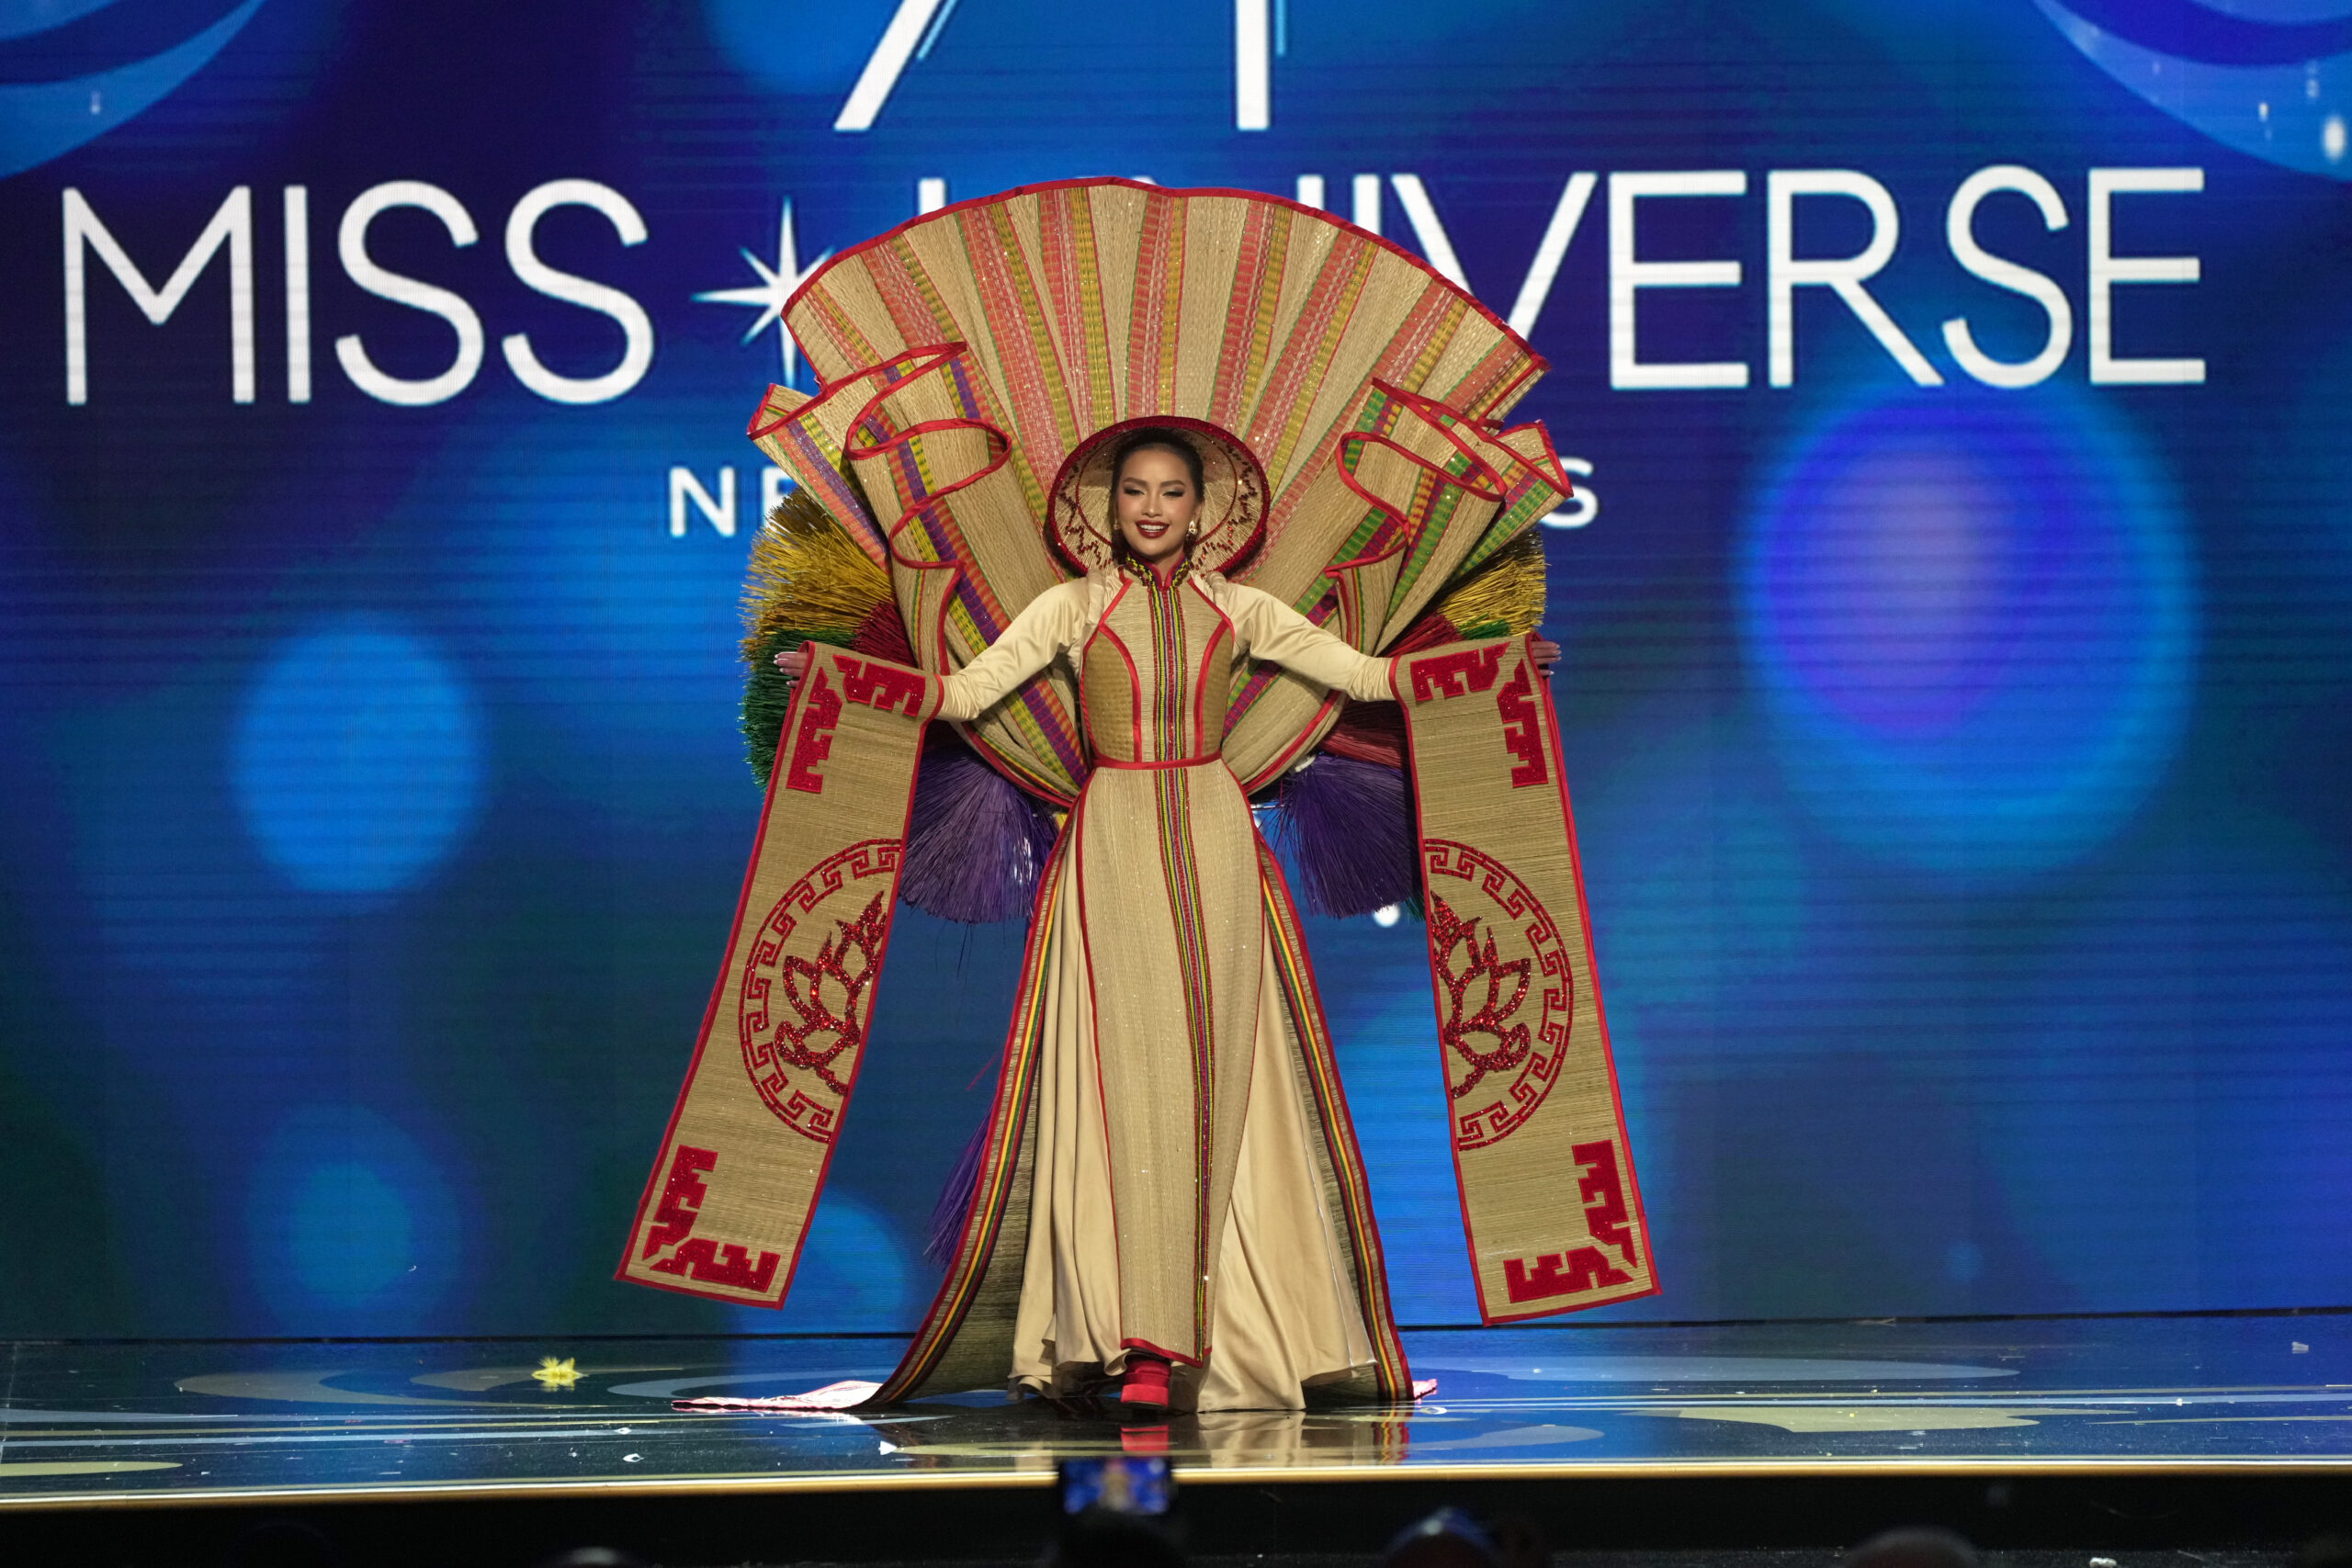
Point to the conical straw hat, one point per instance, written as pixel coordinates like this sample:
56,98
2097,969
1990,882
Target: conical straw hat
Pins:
1233,496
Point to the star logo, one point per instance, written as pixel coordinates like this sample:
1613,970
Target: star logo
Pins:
776,284
553,1373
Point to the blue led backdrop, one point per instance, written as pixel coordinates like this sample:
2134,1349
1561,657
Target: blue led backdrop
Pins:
1956,620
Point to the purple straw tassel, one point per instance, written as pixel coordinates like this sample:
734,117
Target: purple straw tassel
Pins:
974,842
956,1201
1348,826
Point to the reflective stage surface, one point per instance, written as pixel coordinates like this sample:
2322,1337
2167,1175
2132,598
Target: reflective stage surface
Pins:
180,1421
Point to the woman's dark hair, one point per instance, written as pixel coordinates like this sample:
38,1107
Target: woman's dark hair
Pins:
1135,441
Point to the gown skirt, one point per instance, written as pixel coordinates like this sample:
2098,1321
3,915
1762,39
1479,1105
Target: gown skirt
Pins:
1169,1166
1177,1208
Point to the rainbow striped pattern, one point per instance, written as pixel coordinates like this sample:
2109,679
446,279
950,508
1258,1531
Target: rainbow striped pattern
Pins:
967,354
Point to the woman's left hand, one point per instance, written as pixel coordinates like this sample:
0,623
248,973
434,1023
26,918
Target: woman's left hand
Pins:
1545,653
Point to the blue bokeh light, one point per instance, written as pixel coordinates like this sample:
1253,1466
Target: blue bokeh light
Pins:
855,1273
577,600
348,1231
356,761
2171,1123
1970,622
821,50
351,1223
1700,889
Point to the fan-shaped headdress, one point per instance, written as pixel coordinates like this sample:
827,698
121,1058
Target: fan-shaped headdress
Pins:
978,364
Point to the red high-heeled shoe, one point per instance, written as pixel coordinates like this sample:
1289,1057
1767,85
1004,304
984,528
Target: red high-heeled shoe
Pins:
1143,1387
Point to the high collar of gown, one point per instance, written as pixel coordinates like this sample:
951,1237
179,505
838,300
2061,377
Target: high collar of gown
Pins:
1163,575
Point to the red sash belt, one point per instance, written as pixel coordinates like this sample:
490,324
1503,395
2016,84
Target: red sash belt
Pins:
1177,763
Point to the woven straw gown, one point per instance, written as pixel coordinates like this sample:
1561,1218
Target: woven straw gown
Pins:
1169,1161
1188,1167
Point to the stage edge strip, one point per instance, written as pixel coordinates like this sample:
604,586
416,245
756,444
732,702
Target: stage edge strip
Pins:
1205,1476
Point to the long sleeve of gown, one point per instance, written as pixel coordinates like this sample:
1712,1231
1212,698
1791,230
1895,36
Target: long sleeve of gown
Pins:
1050,623
1272,630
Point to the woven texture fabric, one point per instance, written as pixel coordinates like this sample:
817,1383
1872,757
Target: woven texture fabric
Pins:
978,364
1548,1197
968,356
1166,1029
728,1202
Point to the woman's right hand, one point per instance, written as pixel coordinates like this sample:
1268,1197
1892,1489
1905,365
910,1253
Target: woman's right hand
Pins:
795,663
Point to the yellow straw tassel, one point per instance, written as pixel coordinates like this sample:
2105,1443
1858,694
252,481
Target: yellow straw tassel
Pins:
1505,595
806,577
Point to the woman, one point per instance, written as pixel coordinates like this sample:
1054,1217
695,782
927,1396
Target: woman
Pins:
1180,1241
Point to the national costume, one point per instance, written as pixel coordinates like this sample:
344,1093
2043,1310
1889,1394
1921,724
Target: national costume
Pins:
1003,714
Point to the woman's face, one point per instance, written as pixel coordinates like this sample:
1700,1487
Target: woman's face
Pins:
1155,502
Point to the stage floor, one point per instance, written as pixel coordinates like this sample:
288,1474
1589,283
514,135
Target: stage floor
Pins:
90,1424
